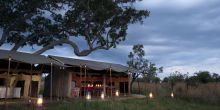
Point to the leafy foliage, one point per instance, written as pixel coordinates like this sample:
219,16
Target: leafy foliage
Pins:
204,77
140,66
47,23
198,77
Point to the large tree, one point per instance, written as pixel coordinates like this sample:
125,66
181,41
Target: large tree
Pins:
102,24
140,66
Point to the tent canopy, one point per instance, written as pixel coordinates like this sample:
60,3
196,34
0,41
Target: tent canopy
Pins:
91,64
27,58
60,61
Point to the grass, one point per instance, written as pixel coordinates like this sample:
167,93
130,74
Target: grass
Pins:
160,103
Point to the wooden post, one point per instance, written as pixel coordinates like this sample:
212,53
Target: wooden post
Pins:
110,70
30,87
7,79
51,81
124,89
80,80
85,85
104,84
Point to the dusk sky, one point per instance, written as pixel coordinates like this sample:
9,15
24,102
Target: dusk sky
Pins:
180,35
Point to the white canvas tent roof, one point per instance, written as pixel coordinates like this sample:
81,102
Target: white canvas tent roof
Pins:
60,61
91,64
27,58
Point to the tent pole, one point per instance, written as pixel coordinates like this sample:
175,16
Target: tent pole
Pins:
111,79
85,85
124,89
51,78
30,87
80,79
104,84
7,79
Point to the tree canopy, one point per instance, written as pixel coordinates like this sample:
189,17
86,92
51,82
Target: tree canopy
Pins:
102,24
140,66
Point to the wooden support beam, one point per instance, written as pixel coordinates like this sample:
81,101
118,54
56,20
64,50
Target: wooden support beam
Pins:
21,70
104,84
85,81
110,70
30,87
124,89
7,80
80,80
51,81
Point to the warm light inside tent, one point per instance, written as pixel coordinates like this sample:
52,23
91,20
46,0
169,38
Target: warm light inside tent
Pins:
151,95
117,93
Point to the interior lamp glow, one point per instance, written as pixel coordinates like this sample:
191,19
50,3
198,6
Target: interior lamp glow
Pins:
117,93
151,95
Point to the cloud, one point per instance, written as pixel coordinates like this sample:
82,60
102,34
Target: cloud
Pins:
180,35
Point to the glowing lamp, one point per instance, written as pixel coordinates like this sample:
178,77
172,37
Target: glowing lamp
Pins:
88,96
151,95
172,95
40,101
102,95
117,93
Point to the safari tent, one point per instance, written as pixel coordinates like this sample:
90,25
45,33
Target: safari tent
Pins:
20,73
83,76
21,76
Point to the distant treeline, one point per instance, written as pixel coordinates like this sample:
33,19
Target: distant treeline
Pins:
198,77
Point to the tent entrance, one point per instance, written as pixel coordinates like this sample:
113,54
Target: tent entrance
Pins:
21,85
2,81
34,88
123,87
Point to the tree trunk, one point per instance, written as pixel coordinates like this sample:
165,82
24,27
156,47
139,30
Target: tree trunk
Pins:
131,84
139,90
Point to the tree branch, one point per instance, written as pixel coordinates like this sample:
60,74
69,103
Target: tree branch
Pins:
73,45
18,45
4,36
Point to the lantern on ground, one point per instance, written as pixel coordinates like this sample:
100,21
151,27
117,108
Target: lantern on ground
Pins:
88,96
102,95
117,93
151,95
40,101
172,95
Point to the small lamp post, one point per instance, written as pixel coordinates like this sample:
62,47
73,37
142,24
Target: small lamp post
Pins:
88,96
172,95
151,96
102,95
40,101
117,93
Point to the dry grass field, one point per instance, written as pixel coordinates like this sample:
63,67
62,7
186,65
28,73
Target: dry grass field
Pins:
209,92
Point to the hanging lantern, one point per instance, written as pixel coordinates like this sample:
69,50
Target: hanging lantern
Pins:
151,95
172,95
117,93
